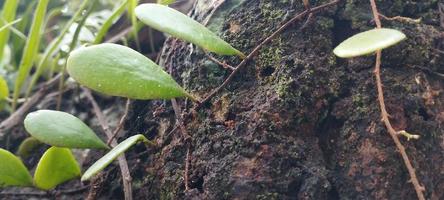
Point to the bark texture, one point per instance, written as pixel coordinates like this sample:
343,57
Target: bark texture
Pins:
298,122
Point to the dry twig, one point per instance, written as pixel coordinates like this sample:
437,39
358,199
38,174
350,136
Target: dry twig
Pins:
223,64
401,19
121,121
385,116
126,176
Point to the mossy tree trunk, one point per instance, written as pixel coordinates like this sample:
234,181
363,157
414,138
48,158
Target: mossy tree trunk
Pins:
298,122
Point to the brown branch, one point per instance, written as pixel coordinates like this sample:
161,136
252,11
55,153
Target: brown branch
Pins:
385,116
17,117
126,176
74,190
121,122
119,35
186,137
39,194
178,113
223,64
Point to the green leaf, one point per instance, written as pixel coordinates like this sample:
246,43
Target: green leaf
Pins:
4,90
61,129
6,17
113,154
368,42
31,49
12,171
56,166
165,2
120,71
175,23
28,146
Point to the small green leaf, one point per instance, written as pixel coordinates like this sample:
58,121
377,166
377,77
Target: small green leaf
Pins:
165,2
4,90
12,171
28,146
368,42
112,155
56,166
120,71
175,23
61,129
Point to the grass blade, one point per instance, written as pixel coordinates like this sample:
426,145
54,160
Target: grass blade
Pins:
132,4
8,25
53,46
30,50
8,14
18,39
109,22
71,47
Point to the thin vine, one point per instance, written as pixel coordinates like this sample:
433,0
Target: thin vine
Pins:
385,116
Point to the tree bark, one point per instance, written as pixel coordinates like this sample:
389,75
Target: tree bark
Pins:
298,122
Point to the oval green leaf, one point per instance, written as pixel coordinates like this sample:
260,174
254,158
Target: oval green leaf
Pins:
175,23
28,146
120,71
61,129
368,42
4,90
112,155
12,171
56,166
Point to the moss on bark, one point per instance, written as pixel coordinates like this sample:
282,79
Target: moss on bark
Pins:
297,122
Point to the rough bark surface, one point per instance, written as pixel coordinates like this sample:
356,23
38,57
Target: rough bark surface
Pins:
298,122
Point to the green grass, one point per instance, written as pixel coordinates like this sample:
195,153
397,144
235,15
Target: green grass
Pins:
30,50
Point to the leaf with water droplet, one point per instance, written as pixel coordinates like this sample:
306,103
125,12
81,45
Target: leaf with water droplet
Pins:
368,42
120,71
12,171
57,165
61,129
175,23
113,154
